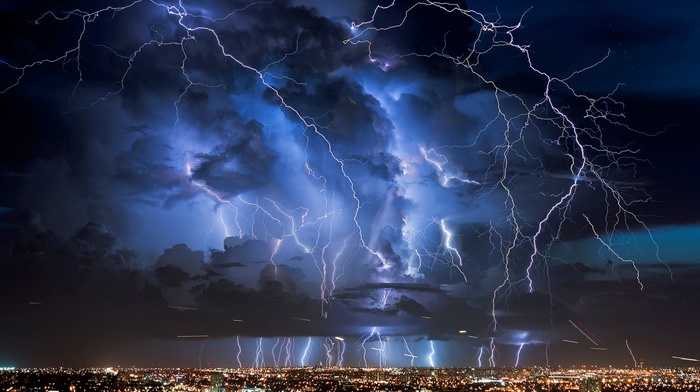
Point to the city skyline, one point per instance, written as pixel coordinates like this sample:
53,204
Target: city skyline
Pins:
352,379
415,182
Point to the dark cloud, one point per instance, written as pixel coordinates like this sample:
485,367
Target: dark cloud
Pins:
171,275
242,251
182,257
411,307
285,275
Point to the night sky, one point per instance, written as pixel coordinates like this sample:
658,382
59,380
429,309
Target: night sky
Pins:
336,182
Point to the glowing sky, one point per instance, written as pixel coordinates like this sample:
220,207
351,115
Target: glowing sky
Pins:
415,183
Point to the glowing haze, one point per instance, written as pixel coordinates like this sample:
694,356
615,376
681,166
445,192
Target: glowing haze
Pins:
288,183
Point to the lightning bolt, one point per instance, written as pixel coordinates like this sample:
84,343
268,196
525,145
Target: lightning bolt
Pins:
340,354
289,349
492,356
438,160
334,272
329,344
275,358
238,354
288,231
201,349
363,340
383,356
305,355
431,354
420,260
385,297
362,347
478,358
614,253
380,353
449,244
259,355
517,355
326,292
408,352
631,354
223,223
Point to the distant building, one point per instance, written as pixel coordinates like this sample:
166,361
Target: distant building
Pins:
590,384
217,382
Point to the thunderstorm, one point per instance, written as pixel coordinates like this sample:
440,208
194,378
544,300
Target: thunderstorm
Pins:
377,184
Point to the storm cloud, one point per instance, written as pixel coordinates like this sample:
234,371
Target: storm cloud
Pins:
290,169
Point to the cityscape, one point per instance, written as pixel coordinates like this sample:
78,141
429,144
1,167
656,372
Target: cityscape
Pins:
351,379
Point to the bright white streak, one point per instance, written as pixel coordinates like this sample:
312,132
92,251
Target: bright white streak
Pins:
686,359
630,350
583,333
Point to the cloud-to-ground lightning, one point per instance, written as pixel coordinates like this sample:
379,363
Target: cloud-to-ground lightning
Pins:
276,353
238,353
289,350
631,354
340,354
517,355
201,349
259,354
431,354
381,350
328,345
362,342
408,352
306,353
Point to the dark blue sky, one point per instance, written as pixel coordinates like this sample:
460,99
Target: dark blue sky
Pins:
478,178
